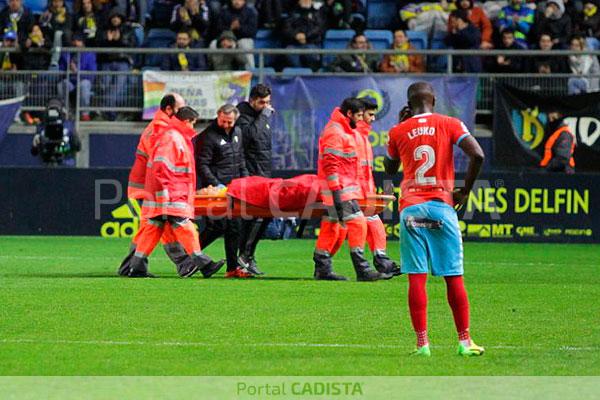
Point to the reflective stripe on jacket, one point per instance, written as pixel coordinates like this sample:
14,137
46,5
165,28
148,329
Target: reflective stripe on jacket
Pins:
338,166
171,174
137,175
365,156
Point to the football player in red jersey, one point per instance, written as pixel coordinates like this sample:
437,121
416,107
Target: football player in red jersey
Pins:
429,232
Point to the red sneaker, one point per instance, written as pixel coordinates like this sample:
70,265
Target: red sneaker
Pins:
238,273
86,117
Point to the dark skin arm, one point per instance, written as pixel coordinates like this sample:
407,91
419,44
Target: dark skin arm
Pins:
472,149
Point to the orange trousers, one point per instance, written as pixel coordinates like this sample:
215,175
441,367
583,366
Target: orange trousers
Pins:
181,230
376,236
332,234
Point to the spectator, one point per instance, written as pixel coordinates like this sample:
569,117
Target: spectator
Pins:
464,36
11,61
547,64
85,62
161,13
116,35
479,20
588,23
519,18
194,16
559,146
182,61
226,62
399,63
36,50
242,20
86,21
556,22
509,64
428,16
16,18
56,22
582,65
303,29
269,13
336,13
356,62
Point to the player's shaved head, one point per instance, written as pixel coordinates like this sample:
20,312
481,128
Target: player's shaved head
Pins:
421,97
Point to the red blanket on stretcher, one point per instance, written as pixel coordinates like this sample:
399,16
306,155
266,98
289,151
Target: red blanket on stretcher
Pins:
276,193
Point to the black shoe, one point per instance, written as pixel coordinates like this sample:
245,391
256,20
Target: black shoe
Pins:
329,276
370,275
212,268
249,265
188,271
140,274
388,268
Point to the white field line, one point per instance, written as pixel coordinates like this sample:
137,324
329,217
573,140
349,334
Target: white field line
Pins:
300,344
307,260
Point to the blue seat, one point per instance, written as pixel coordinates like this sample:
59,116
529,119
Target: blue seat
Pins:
418,39
380,39
266,39
158,38
336,39
437,63
291,72
381,14
256,71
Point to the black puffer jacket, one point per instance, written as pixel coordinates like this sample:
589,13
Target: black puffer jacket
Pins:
256,137
219,156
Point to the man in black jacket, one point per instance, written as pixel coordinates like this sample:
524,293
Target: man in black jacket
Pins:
220,159
256,137
303,29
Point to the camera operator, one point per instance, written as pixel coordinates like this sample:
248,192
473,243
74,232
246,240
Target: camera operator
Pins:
55,141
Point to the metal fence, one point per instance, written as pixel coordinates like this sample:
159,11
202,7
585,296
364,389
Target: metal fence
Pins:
122,91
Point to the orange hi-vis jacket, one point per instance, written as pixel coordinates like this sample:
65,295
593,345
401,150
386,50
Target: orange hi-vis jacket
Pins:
338,166
137,176
171,173
365,156
551,152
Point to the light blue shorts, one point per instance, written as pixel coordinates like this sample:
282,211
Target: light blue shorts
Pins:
430,237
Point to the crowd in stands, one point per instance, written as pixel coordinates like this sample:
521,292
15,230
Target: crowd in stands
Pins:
298,24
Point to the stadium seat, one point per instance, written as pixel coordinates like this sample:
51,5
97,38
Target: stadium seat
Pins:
437,63
158,38
266,39
256,71
381,14
291,72
380,39
36,6
418,39
336,39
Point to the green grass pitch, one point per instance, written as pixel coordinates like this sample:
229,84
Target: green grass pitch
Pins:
63,311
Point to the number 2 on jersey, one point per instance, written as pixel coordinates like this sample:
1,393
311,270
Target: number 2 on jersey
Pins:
427,152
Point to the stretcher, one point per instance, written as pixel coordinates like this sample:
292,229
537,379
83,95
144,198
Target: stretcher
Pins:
223,206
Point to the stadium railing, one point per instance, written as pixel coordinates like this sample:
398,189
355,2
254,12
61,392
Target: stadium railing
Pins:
40,86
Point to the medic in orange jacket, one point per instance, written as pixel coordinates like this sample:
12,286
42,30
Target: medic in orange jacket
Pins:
339,174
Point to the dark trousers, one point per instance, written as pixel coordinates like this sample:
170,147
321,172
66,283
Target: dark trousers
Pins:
230,230
251,233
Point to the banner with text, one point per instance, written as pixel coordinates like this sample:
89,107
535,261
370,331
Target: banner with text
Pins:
520,119
204,91
304,105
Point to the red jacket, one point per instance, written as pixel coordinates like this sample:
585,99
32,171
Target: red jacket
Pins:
171,174
365,156
338,167
137,176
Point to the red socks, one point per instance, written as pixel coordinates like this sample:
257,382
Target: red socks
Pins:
459,302
417,302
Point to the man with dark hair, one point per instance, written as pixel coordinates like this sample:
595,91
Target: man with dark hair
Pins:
463,35
184,61
219,160
16,18
136,189
169,201
429,231
338,171
256,138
